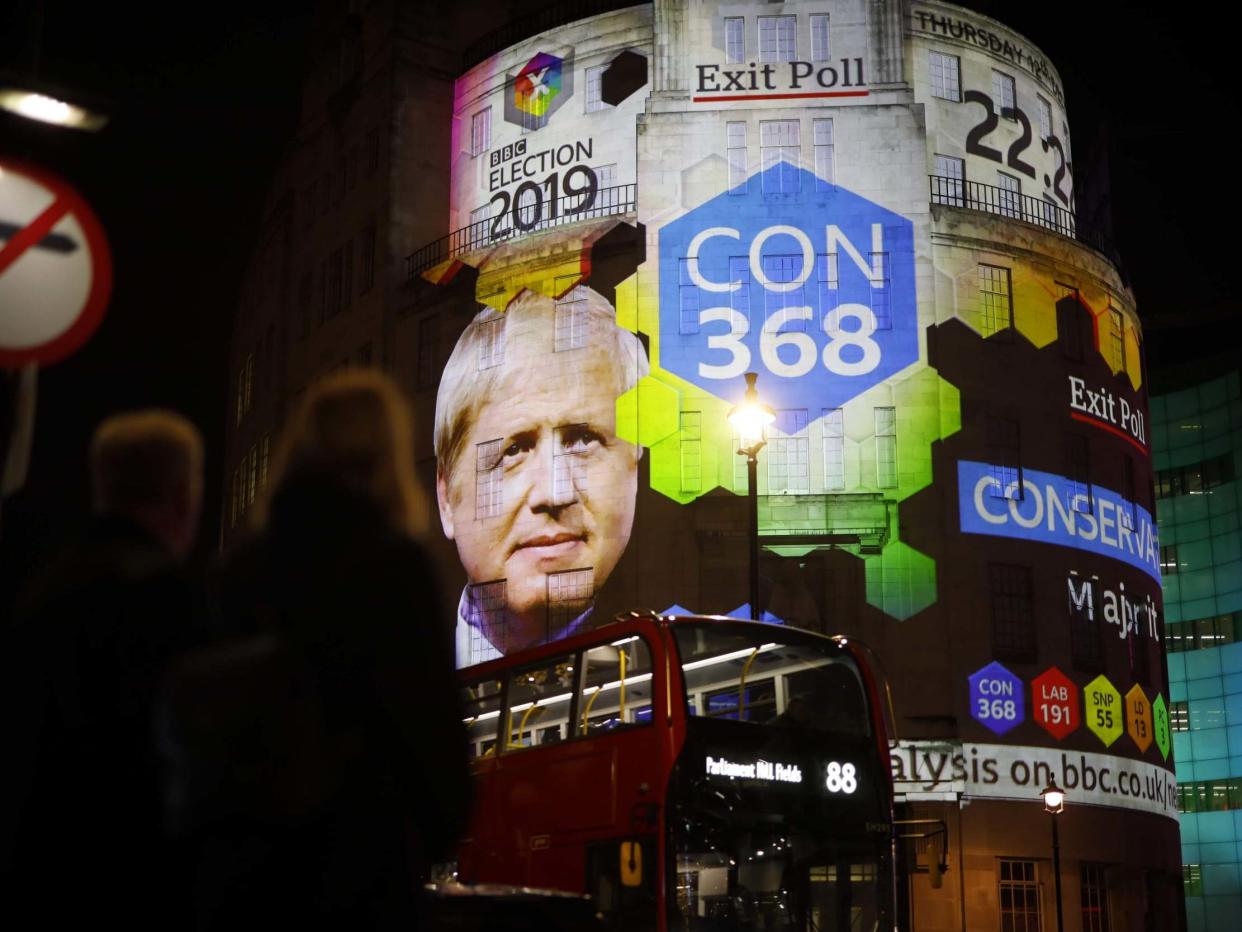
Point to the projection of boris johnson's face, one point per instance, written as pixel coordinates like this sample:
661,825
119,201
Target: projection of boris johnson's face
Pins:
534,486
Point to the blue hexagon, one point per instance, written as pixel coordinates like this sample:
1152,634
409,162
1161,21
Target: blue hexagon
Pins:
997,698
802,281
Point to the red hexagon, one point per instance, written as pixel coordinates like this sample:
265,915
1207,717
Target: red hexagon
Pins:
1054,703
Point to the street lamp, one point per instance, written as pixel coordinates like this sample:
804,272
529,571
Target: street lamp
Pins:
1054,805
750,419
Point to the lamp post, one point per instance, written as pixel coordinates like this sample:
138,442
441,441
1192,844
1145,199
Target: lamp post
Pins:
1054,804
750,419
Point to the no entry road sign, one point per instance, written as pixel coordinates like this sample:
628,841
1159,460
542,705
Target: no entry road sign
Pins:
55,267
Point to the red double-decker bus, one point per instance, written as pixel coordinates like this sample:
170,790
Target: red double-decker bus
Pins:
689,774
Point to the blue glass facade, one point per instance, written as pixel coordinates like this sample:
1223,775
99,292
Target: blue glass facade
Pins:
1197,445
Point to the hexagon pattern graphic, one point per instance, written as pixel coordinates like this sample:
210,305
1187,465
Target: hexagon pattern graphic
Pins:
1102,706
1138,717
1160,725
1054,703
539,89
813,289
996,698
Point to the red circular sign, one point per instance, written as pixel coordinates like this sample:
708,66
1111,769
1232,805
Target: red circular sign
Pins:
1054,703
55,267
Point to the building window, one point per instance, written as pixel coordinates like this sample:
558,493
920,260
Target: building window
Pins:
1140,662
778,38
366,259
1086,636
949,181
735,39
1128,513
779,149
1004,94
739,299
688,296
1116,340
783,271
481,131
245,387
1078,473
834,450
1179,715
250,464
234,504
789,454
334,283
1009,197
735,152
1203,632
946,79
1069,323
488,479
819,37
1013,616
995,301
351,168
886,448
362,358
347,275
491,342
325,193
1192,880
1003,443
569,466
569,595
595,89
322,312
691,451
881,307
825,154
487,601
1168,559
570,321
265,458
1019,897
1045,117
1195,478
1094,899
428,344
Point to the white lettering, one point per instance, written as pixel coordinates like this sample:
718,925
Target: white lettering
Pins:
756,258
983,513
692,260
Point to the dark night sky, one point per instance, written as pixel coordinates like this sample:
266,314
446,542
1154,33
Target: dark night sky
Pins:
203,101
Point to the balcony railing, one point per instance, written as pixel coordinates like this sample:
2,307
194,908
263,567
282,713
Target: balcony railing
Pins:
956,192
528,216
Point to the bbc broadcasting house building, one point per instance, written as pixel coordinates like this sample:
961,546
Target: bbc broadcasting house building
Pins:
619,211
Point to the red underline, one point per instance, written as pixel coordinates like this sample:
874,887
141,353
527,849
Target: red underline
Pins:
784,96
1108,427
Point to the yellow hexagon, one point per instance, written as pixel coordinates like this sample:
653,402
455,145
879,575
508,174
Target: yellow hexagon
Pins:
1102,709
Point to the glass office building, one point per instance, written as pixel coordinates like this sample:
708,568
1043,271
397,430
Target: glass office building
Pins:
1197,441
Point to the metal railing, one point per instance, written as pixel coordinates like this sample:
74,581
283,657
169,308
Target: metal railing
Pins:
529,216
956,192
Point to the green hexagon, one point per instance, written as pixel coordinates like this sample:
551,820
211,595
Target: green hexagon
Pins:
1160,719
901,581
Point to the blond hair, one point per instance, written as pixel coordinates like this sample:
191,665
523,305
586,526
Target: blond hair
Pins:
143,458
465,386
356,426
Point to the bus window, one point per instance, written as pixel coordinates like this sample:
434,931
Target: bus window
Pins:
481,703
753,702
539,702
828,698
617,686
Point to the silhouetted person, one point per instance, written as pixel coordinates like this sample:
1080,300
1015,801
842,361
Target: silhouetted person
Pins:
81,802
319,764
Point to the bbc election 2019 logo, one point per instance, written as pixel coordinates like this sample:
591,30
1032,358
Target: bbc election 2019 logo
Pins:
539,89
802,281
